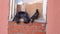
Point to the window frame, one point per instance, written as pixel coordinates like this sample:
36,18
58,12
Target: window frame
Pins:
13,7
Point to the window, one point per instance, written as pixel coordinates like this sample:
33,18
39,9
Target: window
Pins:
29,6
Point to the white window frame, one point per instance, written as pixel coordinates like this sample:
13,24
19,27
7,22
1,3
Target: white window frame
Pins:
12,11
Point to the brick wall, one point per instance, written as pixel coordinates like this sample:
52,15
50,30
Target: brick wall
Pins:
35,28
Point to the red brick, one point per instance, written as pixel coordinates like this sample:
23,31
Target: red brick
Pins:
42,28
27,32
13,31
11,27
39,32
37,24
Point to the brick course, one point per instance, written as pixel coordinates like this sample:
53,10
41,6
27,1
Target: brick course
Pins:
35,28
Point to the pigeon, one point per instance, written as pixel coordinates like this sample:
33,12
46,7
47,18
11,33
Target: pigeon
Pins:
35,16
20,15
